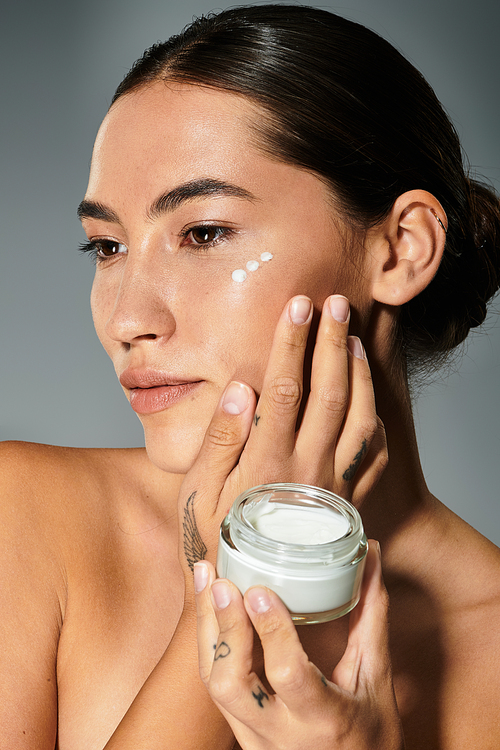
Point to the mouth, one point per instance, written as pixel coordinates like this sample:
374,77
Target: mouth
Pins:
151,391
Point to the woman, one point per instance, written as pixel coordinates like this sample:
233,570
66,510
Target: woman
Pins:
262,134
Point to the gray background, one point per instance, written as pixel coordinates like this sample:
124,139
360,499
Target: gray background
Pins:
61,61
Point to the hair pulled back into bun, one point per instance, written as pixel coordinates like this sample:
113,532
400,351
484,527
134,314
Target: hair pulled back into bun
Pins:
342,102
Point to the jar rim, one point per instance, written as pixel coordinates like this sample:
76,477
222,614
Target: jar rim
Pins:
237,529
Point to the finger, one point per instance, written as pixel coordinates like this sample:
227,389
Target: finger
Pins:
273,434
372,467
207,626
297,682
233,684
361,422
201,489
224,440
329,397
367,658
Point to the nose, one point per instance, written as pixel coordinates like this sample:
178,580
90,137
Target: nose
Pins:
140,309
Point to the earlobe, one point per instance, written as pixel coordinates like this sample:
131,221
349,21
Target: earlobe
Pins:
406,249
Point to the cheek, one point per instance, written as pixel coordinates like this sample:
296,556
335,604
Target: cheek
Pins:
101,307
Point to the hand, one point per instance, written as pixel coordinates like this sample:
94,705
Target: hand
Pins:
355,710
339,446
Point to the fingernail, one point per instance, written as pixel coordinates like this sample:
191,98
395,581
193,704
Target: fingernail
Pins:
235,399
299,310
356,347
200,577
222,594
379,550
258,600
339,308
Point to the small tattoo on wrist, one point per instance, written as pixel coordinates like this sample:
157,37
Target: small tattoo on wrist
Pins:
194,547
259,697
351,471
221,651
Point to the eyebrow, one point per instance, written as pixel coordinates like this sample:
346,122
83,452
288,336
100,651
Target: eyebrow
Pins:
171,200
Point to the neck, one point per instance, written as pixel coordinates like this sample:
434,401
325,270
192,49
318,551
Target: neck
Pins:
401,500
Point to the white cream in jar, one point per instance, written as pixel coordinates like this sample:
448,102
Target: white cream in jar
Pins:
305,543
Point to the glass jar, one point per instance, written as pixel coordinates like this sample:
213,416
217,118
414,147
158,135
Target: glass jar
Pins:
303,542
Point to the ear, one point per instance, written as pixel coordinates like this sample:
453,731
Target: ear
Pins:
407,247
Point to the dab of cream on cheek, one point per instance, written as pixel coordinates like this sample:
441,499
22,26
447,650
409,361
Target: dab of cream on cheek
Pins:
240,275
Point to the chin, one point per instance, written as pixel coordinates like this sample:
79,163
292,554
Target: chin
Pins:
172,451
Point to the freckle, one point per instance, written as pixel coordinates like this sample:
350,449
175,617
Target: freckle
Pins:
266,256
239,275
252,265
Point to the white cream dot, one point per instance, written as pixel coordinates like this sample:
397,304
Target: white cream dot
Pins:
239,275
266,256
252,265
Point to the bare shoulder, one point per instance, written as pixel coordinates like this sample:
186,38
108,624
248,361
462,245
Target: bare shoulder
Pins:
44,477
446,635
35,462
61,491
50,496
471,639
58,509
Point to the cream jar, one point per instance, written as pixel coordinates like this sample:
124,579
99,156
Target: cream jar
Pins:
304,543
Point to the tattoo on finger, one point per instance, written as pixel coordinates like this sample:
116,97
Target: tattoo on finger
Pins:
260,696
351,471
194,547
256,419
323,680
221,651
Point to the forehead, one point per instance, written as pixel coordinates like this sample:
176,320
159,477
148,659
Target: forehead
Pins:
188,127
167,134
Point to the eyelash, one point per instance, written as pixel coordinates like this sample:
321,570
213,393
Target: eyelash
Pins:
222,233
92,248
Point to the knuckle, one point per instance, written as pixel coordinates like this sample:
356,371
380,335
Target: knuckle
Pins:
220,435
382,460
226,690
270,626
285,393
292,676
380,449
365,428
205,672
337,341
295,337
333,399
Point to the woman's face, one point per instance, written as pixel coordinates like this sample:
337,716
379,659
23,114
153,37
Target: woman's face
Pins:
178,199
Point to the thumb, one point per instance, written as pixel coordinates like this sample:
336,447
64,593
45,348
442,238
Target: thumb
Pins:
367,657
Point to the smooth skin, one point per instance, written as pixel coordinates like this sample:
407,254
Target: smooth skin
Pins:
98,603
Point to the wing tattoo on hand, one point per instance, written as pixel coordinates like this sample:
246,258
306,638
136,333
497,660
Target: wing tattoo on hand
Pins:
194,547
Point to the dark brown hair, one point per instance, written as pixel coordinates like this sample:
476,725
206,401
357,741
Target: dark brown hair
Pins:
345,104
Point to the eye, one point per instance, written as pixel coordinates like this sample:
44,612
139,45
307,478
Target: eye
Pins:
205,235
100,250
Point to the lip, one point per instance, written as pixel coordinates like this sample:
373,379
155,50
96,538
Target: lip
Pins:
151,391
